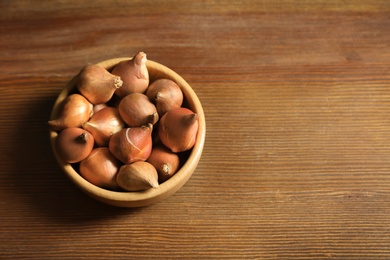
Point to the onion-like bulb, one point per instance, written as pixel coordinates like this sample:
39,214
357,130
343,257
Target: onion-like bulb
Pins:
103,124
136,110
137,176
166,162
165,94
75,110
74,144
98,107
134,74
97,84
177,129
132,144
100,168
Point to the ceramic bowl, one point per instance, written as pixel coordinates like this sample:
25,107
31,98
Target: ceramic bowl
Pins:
169,187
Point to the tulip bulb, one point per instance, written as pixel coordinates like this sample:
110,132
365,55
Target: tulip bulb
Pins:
74,112
98,107
177,129
103,124
132,144
134,74
97,84
100,168
165,161
74,144
137,176
137,110
165,94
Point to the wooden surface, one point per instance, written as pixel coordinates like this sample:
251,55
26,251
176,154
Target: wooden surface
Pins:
296,163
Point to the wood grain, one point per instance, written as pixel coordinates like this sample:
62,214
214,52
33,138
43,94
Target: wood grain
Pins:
296,163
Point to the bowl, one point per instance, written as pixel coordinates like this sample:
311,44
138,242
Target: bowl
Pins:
167,188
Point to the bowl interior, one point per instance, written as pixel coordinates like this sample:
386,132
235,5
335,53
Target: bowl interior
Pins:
151,196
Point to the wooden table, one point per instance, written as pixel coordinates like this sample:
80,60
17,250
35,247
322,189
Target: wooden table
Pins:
296,163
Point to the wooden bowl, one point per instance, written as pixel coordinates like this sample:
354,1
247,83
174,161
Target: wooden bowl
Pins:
151,196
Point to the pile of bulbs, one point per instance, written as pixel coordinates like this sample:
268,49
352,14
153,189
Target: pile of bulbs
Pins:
122,131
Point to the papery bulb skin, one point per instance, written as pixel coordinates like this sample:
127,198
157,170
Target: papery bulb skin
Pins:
101,168
132,144
97,84
74,144
103,124
134,74
137,176
165,94
166,162
178,128
98,107
137,110
74,111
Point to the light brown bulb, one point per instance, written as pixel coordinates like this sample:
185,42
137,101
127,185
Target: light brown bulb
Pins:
103,124
177,129
98,107
137,176
100,168
75,110
137,110
132,144
165,94
134,74
74,144
165,161
97,84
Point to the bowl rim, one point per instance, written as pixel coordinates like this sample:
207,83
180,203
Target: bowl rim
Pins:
150,196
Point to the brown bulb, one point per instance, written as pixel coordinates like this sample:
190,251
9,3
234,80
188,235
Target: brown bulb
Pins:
165,94
137,110
165,161
75,110
74,144
134,74
97,84
177,129
103,124
100,168
132,144
98,107
137,176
